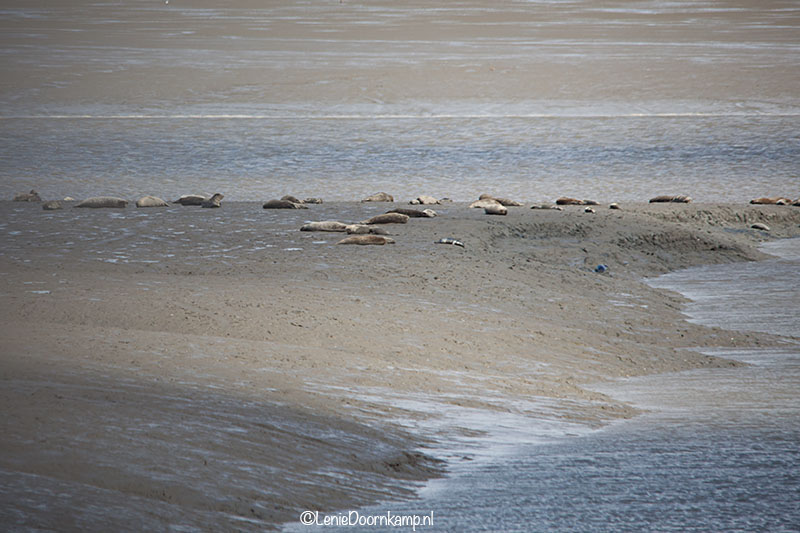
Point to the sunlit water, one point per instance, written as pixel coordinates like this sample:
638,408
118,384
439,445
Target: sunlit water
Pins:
719,449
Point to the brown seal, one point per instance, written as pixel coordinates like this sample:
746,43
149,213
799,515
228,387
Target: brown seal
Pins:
191,199
325,225
151,201
282,204
388,218
366,239
379,197
665,198
103,201
32,196
566,200
214,201
776,200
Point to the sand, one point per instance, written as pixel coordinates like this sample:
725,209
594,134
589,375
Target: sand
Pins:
221,369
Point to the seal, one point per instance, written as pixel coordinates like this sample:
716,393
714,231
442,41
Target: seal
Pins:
103,201
191,199
282,204
496,209
665,198
776,200
449,240
52,205
312,201
151,201
548,206
588,210
566,200
363,229
292,199
760,226
796,203
502,201
590,202
388,218
414,213
325,225
366,239
424,200
484,203
32,196
214,201
379,197
615,205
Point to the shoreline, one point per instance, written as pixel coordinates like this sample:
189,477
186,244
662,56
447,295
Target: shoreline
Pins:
517,315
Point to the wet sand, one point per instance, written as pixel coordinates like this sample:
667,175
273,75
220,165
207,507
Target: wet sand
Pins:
219,368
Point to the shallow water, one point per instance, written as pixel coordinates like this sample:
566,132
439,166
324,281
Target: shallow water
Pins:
341,100
717,451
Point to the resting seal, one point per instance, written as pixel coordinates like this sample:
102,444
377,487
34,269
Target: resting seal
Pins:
366,239
414,213
566,200
502,201
32,196
615,205
214,201
448,240
496,209
52,205
282,204
547,206
484,203
292,199
363,229
777,200
424,200
103,201
191,199
588,210
151,201
680,199
388,218
325,225
312,201
379,197
759,225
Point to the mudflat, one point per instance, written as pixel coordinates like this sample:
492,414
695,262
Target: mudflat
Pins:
222,369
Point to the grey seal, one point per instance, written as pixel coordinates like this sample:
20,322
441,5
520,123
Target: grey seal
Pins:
151,201
32,196
52,205
214,201
414,213
325,225
379,197
496,209
388,218
760,226
363,229
103,201
366,239
282,204
424,200
191,199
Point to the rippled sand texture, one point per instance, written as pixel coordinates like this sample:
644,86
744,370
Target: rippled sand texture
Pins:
192,367
343,57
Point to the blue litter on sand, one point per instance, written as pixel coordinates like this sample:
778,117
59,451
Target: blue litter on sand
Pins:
601,268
